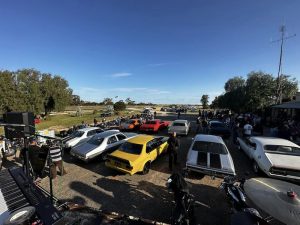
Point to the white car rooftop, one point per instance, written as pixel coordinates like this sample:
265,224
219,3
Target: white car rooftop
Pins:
209,138
274,141
88,129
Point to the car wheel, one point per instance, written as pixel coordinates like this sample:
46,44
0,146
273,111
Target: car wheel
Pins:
255,167
146,168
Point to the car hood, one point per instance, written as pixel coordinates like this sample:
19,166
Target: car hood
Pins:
284,161
84,148
124,155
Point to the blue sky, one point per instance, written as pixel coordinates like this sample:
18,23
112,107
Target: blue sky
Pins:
162,51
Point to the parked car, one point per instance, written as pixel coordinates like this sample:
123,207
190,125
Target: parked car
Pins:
218,128
208,154
100,144
132,124
180,127
79,135
154,125
137,154
276,157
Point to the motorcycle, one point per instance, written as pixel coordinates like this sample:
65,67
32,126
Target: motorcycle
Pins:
183,212
243,214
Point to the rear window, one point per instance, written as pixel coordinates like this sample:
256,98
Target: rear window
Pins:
179,124
211,147
288,150
131,148
95,141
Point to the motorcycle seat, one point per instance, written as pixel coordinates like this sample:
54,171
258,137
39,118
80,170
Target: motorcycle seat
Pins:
244,218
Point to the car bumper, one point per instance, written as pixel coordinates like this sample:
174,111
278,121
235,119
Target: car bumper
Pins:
209,171
77,156
178,132
283,177
121,169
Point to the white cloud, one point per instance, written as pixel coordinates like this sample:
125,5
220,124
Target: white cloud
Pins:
124,74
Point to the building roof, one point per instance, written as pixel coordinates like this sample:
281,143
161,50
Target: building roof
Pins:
288,105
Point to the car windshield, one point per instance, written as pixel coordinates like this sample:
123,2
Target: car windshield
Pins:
151,122
77,133
131,148
178,124
95,140
212,147
282,149
216,125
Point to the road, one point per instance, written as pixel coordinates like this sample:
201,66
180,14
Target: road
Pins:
146,196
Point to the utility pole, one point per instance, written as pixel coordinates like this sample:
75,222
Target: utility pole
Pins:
279,75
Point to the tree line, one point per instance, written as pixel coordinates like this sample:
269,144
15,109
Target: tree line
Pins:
255,93
31,90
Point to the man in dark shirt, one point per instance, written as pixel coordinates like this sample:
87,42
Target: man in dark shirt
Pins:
172,149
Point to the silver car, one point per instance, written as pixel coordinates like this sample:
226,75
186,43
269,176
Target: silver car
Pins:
100,144
180,127
208,154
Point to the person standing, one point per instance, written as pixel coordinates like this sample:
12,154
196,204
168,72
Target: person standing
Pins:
248,129
172,149
204,125
178,114
56,161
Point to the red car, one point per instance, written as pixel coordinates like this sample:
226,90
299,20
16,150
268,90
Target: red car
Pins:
154,125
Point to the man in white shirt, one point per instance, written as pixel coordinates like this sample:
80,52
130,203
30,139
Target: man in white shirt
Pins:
248,129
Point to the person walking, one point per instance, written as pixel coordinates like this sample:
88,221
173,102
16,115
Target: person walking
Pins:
172,149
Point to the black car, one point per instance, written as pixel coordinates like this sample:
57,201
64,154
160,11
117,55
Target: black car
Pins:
218,128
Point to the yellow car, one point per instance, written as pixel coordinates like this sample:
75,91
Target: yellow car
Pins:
137,154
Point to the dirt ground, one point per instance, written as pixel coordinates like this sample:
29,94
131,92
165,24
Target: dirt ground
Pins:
146,196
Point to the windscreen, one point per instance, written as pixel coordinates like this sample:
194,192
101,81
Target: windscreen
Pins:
216,125
178,124
212,147
282,149
131,148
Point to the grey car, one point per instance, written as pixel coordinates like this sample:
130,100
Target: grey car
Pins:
100,144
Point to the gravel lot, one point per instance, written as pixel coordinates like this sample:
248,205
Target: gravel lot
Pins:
146,196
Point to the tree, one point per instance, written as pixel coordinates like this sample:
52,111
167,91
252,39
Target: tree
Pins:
204,101
234,83
119,106
108,101
129,101
289,87
76,100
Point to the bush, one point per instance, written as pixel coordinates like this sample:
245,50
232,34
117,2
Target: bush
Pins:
95,111
119,106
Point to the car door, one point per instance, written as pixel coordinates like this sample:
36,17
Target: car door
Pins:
250,148
112,143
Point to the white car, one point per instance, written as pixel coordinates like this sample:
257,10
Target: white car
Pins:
208,154
100,144
80,135
276,157
181,127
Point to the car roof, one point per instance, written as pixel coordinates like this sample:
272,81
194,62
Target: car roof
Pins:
208,138
141,139
107,133
274,141
180,121
90,128
215,121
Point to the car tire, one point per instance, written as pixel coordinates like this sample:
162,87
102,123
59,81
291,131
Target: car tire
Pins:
146,168
255,167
